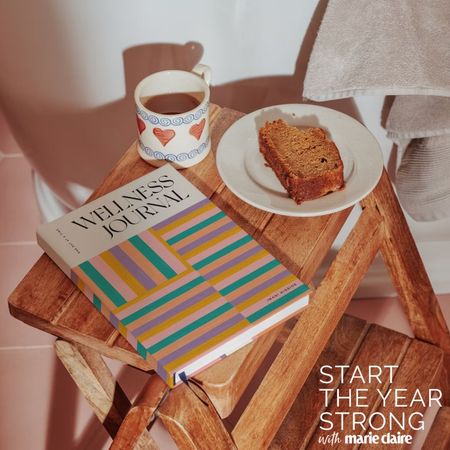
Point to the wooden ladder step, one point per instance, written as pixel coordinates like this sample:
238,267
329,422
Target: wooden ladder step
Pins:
359,345
439,435
302,419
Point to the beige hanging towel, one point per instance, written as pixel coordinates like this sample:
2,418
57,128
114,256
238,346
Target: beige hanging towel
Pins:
386,47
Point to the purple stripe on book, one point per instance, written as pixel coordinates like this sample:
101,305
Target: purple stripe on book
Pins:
206,237
114,320
73,277
233,262
162,372
171,312
133,268
202,339
260,287
171,219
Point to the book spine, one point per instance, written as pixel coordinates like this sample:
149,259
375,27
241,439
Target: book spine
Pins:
46,245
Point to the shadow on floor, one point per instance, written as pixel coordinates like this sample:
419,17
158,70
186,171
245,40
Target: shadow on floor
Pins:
64,411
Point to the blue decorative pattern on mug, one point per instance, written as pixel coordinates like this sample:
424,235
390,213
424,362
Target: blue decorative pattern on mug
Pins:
170,156
168,121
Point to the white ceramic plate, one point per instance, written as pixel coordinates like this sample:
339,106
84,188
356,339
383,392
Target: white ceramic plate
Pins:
242,166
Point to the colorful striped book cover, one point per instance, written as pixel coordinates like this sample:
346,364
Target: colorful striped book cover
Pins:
172,272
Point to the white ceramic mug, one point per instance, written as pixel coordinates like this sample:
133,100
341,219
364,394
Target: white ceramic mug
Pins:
183,139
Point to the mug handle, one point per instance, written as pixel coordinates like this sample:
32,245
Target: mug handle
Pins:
203,71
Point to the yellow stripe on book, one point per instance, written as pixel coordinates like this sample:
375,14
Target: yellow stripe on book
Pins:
142,262
153,291
177,363
123,330
186,218
225,274
122,272
212,242
178,317
266,292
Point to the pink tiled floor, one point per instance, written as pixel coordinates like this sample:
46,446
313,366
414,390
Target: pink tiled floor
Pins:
40,406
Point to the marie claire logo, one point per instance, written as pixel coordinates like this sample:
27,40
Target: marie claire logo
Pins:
363,406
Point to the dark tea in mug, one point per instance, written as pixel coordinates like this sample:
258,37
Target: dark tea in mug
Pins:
173,103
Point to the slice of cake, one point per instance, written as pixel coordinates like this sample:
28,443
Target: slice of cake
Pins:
306,162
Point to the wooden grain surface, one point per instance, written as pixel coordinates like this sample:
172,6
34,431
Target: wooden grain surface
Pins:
439,435
304,415
133,428
192,423
310,240
419,366
274,397
95,381
380,347
47,299
409,276
407,270
420,369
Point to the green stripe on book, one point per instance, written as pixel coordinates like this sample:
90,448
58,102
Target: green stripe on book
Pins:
97,303
277,303
163,300
191,327
222,252
250,277
141,350
195,228
153,257
102,283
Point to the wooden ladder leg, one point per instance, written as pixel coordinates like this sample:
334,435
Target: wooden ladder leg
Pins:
98,386
408,272
140,415
284,379
193,425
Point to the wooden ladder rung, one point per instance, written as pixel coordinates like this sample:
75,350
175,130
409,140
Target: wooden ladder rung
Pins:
358,345
439,435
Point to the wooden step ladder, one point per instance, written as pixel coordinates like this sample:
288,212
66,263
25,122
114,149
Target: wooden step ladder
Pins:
200,418
416,365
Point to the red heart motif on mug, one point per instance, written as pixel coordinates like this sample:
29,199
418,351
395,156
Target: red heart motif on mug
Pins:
197,129
140,124
164,136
